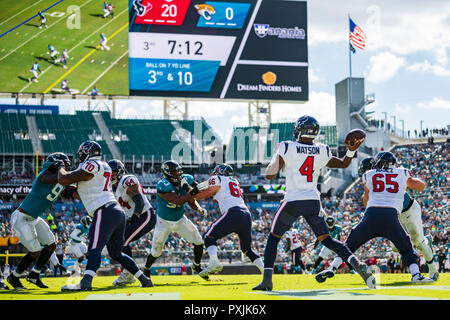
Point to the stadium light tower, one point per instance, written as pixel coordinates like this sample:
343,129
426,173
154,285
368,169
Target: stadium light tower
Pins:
259,113
175,109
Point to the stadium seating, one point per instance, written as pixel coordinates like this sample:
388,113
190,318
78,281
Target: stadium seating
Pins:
13,127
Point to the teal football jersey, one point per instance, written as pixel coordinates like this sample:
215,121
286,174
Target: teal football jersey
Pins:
41,196
336,231
166,210
406,201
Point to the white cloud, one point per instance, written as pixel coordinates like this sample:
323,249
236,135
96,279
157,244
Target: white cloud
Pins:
426,66
383,66
435,103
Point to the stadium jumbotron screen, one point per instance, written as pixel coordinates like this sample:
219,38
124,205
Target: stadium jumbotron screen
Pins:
244,49
240,49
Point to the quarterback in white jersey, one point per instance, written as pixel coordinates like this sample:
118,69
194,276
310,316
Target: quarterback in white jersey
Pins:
302,160
141,218
236,217
94,188
384,189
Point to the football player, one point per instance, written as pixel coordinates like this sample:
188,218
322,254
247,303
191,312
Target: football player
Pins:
294,245
30,228
236,218
384,189
411,219
105,9
303,160
93,178
77,248
34,70
173,191
3,285
139,212
103,41
335,232
64,58
53,53
65,85
43,20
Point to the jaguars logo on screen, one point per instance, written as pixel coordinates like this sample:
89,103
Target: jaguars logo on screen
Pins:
205,10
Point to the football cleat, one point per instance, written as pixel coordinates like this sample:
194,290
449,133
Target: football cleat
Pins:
364,272
124,278
76,287
198,269
15,282
434,276
34,278
323,275
213,267
3,285
146,282
265,285
419,278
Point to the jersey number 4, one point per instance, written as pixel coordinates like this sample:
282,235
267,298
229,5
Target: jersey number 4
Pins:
307,168
379,184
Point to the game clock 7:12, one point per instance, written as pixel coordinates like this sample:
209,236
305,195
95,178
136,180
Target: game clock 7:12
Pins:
187,47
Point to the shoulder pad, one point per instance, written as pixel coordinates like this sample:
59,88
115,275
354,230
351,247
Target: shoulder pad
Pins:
164,185
90,166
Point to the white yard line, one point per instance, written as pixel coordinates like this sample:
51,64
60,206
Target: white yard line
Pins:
20,12
104,72
24,43
79,43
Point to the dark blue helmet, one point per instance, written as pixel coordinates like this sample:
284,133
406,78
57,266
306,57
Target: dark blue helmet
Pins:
117,166
223,169
306,127
385,160
172,171
89,149
59,156
366,165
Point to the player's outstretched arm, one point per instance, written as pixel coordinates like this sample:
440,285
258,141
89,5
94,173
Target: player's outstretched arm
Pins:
66,178
275,165
415,184
207,193
338,163
172,197
49,178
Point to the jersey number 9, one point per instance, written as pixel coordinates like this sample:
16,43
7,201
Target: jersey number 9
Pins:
56,191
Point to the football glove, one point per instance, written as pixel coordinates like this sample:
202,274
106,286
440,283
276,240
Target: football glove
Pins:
58,164
185,185
203,211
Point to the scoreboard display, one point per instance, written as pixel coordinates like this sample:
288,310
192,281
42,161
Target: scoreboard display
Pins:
239,49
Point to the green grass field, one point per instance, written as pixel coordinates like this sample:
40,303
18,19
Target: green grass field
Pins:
87,65
239,287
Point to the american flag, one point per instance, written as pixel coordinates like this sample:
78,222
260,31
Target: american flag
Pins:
357,37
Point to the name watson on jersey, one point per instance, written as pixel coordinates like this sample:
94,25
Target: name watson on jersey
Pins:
262,87
308,150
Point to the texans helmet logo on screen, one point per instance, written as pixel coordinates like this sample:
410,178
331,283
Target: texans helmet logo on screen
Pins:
142,7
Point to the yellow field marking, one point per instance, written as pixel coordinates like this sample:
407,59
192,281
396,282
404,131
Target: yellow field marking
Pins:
84,58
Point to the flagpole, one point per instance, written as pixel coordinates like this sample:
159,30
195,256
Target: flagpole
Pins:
350,68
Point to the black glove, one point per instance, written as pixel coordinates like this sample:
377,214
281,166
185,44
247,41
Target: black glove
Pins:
58,164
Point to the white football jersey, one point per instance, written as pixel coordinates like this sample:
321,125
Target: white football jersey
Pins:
124,199
294,236
97,191
229,194
386,187
302,165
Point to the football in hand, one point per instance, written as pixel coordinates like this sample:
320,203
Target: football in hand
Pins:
354,136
